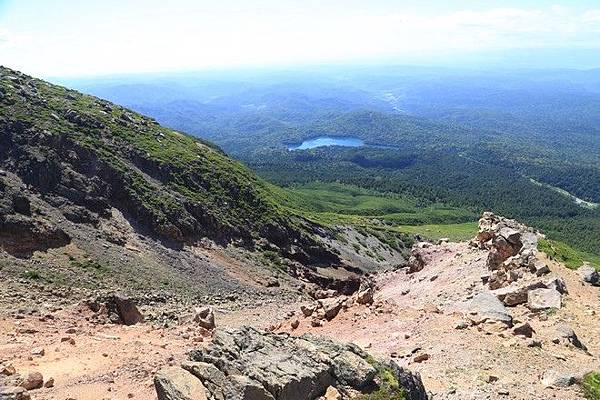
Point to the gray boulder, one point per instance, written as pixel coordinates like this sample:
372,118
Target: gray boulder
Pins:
552,378
564,334
487,306
353,370
175,383
543,299
410,381
589,274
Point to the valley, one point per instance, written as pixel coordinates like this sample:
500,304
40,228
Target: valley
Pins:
134,256
450,144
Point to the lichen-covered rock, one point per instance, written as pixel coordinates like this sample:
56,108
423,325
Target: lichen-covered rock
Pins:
249,364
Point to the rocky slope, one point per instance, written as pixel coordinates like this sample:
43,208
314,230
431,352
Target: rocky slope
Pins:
96,197
490,319
84,156
437,327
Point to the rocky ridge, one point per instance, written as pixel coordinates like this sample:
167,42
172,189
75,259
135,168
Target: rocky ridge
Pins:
248,364
516,274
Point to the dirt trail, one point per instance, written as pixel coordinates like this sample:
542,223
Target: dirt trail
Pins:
415,316
108,361
94,361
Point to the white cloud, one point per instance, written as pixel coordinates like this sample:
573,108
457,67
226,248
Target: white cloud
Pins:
80,40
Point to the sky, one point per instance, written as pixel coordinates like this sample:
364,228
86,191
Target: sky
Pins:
86,38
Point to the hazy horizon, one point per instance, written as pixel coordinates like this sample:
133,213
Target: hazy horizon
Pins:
69,39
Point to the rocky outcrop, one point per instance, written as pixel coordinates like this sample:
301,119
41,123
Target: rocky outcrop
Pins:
517,275
249,364
21,233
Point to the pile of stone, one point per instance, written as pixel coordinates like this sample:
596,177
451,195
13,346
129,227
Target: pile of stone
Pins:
516,274
246,364
327,308
116,308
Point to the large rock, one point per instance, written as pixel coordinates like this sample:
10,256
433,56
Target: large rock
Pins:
353,370
543,299
415,262
126,309
332,306
410,381
365,295
516,292
557,283
566,335
253,365
34,380
552,378
205,317
589,274
487,307
175,383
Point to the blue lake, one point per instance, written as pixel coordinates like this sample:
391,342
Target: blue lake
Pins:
322,141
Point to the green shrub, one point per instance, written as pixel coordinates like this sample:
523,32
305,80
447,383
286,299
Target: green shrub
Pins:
89,265
389,387
591,386
566,255
34,275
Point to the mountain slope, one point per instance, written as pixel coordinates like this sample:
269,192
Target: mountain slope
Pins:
85,156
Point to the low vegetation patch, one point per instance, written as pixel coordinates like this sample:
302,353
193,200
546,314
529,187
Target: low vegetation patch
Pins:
566,254
33,275
90,265
389,387
591,386
455,232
